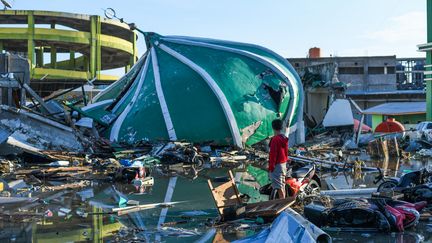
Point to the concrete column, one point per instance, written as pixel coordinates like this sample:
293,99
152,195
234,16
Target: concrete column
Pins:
30,41
72,63
135,48
95,47
133,58
53,57
366,75
40,57
10,97
53,53
86,63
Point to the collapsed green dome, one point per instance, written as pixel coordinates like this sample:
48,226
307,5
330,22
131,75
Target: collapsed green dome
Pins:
202,90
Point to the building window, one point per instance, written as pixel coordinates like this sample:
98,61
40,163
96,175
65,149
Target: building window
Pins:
351,70
376,70
391,70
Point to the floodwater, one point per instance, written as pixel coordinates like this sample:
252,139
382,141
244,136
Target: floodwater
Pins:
395,168
187,221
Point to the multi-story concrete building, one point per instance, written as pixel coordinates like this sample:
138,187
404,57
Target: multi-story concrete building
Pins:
369,80
372,74
65,49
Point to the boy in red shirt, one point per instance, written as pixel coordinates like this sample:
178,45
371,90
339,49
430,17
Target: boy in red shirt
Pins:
278,158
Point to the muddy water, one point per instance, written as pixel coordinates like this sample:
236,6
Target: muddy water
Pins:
193,212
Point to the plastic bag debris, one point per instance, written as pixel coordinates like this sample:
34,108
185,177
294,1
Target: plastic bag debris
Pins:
59,163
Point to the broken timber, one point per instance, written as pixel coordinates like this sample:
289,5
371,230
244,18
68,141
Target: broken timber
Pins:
384,148
227,197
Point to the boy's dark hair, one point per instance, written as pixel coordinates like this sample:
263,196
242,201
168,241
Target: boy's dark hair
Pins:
277,124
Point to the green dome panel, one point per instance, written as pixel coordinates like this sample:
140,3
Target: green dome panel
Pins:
202,90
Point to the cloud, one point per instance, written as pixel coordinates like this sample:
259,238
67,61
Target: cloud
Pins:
406,28
398,35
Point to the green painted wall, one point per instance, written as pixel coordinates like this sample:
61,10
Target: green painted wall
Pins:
411,119
376,119
405,119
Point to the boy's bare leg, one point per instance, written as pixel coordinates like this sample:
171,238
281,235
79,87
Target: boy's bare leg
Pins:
281,194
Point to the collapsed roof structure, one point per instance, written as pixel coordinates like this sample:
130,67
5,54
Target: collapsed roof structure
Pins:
201,90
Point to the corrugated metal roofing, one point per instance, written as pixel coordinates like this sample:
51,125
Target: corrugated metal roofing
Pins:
397,108
393,92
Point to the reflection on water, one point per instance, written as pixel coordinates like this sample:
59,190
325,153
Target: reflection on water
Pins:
393,167
94,228
87,221
187,221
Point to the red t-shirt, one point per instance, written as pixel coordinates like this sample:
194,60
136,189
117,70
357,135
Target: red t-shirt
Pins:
278,151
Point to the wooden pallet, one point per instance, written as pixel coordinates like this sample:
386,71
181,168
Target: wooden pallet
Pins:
227,195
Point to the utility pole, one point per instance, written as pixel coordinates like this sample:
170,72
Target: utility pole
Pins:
428,67
428,73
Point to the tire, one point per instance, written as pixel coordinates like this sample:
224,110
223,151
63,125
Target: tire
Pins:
198,161
313,188
387,186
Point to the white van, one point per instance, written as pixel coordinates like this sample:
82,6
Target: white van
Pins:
423,130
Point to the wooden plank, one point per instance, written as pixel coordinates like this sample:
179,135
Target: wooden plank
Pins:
210,185
224,187
38,98
237,193
269,208
67,186
283,207
253,209
227,195
8,200
68,169
268,213
271,202
216,198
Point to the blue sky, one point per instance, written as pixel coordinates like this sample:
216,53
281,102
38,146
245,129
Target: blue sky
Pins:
339,27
